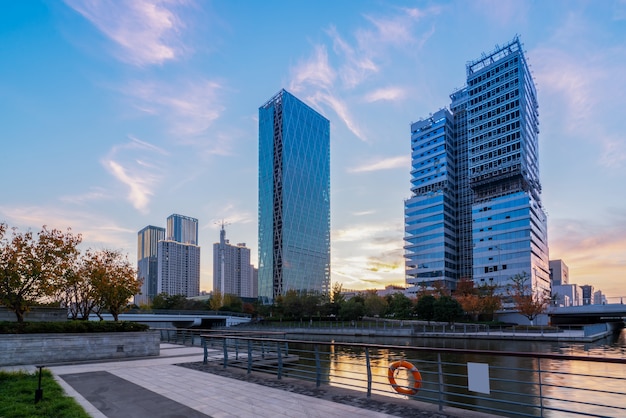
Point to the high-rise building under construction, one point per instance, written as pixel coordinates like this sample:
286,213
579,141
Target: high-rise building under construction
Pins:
475,209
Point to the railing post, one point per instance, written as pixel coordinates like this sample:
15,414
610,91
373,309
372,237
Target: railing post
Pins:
440,373
280,361
236,349
540,386
206,351
225,353
318,367
369,372
249,356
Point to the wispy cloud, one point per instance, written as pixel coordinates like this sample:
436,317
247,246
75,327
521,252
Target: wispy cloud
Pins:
593,250
384,164
97,231
387,93
96,193
133,164
313,72
190,107
147,32
330,80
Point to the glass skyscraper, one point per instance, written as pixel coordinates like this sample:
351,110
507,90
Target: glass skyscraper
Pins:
294,198
147,240
475,210
182,229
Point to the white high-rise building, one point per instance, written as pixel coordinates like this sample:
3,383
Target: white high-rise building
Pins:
232,272
179,258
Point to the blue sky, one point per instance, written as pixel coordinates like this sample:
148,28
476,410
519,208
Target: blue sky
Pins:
116,114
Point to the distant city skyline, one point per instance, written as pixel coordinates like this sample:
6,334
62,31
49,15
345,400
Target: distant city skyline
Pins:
118,114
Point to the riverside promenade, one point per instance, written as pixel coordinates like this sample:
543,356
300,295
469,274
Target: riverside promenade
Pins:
156,387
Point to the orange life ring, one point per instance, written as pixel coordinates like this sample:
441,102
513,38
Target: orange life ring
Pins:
417,377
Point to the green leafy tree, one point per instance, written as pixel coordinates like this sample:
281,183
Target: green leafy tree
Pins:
399,306
352,309
216,301
292,304
374,304
31,268
425,307
447,309
232,303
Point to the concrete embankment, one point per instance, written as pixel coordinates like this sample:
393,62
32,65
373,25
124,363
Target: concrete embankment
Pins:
588,333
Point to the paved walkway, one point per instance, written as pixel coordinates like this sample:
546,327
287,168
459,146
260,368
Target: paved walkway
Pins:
157,388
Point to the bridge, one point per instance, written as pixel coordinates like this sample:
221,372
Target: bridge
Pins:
587,314
181,319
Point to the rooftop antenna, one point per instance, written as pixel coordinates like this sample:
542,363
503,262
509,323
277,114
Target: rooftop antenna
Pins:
223,223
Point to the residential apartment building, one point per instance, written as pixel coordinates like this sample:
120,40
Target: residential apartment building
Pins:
294,198
232,272
147,262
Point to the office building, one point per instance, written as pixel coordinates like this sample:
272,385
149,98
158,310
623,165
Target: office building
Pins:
559,272
294,198
475,211
232,272
147,240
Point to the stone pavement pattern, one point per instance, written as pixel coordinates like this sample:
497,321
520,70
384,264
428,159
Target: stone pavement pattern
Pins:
158,388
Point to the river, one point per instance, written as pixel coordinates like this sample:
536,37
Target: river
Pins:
344,363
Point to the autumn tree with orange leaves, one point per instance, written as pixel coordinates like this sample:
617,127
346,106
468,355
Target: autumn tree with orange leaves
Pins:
31,267
529,303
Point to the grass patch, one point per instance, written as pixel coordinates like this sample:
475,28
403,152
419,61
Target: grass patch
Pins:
17,397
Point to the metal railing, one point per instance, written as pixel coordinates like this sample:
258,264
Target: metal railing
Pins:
517,383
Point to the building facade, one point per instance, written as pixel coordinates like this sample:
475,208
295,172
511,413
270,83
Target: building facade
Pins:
475,182
178,268
183,229
559,272
147,262
179,257
294,198
232,272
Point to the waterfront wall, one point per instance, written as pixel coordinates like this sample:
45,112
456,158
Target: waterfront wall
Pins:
42,349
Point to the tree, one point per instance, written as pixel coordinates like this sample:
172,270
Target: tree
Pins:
374,304
113,278
337,294
30,269
216,301
425,307
447,309
529,303
467,295
352,309
399,305
232,303
490,301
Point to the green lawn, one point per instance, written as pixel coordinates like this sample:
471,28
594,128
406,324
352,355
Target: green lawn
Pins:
17,397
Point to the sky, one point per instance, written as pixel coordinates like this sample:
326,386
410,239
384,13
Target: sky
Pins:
116,114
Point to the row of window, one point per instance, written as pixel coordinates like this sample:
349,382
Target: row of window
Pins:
492,93
496,122
493,81
492,72
501,140
495,153
497,100
509,104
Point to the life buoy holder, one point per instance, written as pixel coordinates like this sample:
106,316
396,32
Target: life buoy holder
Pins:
417,377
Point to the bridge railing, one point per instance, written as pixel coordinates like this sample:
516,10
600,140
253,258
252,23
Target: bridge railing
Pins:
504,383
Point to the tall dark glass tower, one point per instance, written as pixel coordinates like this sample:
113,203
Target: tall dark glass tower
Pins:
476,210
147,262
294,198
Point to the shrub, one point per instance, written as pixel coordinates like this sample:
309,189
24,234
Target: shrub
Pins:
69,327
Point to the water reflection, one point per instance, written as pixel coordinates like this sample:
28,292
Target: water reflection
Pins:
513,379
